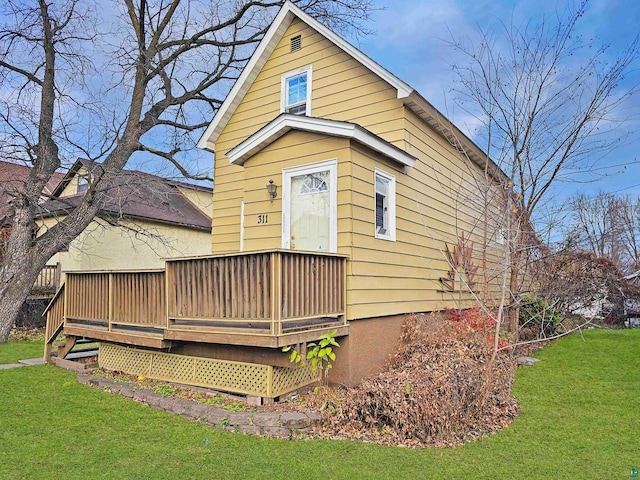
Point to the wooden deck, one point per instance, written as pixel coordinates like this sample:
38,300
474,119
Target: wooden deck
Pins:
262,299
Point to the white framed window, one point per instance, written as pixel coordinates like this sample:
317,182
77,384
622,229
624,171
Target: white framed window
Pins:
83,183
385,205
296,92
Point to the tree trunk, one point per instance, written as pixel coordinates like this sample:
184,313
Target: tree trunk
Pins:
16,281
513,311
9,310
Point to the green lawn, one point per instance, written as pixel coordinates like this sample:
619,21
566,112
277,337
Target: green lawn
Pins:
14,351
580,419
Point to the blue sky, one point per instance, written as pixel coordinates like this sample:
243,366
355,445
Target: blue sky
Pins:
409,40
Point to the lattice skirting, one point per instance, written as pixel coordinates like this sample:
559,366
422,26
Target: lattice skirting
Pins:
237,377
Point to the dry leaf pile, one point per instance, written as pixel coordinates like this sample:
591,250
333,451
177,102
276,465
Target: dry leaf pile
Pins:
440,389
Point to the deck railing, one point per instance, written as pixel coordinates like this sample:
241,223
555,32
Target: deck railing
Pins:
139,299
265,292
48,281
230,287
55,316
116,298
312,285
55,321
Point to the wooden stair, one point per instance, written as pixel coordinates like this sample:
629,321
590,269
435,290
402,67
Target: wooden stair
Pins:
72,341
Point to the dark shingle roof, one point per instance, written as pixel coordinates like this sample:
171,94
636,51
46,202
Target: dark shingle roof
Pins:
136,195
12,179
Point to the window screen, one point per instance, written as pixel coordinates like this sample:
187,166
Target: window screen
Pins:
385,206
296,94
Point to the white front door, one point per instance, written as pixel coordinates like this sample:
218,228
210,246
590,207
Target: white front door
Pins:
309,207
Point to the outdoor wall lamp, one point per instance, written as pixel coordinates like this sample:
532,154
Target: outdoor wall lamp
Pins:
272,189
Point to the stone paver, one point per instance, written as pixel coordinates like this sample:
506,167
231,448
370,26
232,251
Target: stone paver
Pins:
22,363
32,361
283,425
7,366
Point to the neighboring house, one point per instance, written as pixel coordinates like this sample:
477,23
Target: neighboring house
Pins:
13,177
632,305
146,219
343,201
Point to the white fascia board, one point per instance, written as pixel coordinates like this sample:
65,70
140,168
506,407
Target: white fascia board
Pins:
365,137
404,89
274,34
264,50
287,122
442,125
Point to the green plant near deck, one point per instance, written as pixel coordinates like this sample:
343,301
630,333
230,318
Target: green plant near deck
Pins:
165,390
538,316
320,353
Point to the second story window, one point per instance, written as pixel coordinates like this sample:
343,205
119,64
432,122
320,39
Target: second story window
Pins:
83,183
296,92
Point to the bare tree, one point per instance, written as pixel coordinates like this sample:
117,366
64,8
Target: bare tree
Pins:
607,225
580,282
595,225
107,81
545,114
630,233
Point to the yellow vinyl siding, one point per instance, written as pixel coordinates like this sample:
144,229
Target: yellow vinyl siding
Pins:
341,90
335,78
293,149
436,200
389,278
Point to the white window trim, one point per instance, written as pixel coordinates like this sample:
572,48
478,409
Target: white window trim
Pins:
287,174
283,88
82,183
391,206
242,226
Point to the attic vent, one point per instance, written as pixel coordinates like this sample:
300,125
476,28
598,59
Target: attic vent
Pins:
296,43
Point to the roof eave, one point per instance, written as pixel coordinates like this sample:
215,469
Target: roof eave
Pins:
441,124
287,122
266,46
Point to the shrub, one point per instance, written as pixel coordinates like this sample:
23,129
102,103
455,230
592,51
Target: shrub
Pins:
537,318
475,320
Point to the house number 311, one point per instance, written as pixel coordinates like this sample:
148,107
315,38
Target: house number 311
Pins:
262,219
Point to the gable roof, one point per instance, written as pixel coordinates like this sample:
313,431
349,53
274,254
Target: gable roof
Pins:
89,166
13,177
137,195
286,122
411,98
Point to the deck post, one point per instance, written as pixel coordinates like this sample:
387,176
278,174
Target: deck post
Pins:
110,300
168,277
276,293
58,276
270,382
48,347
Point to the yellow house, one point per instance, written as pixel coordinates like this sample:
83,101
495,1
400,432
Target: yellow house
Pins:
146,219
343,201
